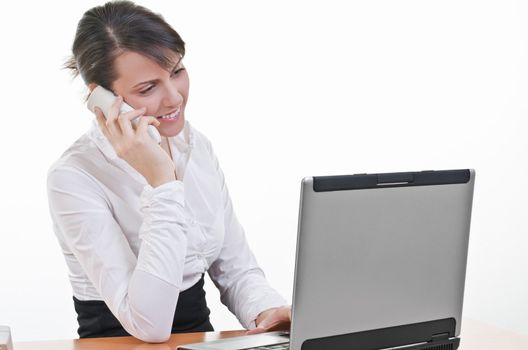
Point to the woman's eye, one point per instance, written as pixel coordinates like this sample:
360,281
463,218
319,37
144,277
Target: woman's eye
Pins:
178,70
147,90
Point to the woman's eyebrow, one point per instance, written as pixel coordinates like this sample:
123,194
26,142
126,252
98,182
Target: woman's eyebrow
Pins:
155,80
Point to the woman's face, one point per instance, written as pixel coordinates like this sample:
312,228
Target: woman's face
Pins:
144,83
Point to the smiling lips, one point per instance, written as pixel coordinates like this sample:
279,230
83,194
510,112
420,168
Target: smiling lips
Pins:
172,116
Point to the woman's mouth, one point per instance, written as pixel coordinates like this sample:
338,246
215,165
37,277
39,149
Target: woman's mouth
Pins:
171,116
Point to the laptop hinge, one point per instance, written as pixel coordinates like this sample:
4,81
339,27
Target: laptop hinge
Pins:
440,336
429,335
440,341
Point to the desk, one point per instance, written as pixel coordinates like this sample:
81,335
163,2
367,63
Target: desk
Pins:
475,336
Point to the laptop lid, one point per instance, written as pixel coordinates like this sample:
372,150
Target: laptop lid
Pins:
381,259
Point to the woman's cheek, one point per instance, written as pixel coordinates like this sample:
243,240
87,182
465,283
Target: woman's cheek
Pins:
152,108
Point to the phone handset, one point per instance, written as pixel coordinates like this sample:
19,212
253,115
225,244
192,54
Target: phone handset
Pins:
102,98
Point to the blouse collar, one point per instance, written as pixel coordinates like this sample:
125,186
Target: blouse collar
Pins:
182,143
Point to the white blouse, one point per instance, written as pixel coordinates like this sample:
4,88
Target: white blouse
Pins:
136,247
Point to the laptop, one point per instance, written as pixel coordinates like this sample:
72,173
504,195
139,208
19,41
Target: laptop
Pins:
380,263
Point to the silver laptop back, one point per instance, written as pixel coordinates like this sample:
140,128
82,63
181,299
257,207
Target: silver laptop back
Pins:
379,251
380,263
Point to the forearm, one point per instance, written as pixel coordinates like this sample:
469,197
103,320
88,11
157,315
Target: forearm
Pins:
147,309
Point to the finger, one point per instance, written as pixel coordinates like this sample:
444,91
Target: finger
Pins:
281,326
125,120
101,120
135,113
113,114
257,330
270,323
144,122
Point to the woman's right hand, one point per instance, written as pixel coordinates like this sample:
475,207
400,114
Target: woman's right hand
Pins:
135,146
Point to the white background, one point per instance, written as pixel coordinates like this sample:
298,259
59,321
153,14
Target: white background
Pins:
284,90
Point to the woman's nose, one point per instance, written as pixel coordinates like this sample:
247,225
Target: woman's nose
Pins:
173,97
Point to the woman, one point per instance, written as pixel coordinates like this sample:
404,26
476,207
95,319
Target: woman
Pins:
139,222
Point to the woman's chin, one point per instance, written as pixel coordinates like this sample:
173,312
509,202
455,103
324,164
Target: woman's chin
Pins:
170,128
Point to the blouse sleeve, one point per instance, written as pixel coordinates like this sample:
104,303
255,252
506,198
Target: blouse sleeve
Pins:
141,292
242,283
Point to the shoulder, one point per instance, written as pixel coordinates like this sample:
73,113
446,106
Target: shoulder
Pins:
78,164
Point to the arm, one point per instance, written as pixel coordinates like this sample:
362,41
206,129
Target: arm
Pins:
242,283
141,292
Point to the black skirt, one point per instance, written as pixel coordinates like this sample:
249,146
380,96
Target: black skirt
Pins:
192,315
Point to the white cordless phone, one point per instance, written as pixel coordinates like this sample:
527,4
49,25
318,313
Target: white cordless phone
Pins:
102,98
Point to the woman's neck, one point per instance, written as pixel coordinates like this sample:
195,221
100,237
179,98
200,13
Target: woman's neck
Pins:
166,145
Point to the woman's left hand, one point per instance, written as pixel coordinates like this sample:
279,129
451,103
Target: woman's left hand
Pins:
276,319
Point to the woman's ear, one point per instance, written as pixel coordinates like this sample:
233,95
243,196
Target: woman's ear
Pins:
92,86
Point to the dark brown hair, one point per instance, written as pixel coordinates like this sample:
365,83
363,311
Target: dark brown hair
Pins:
104,32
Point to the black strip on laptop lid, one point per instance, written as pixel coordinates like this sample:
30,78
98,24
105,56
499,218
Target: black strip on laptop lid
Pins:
364,181
430,335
